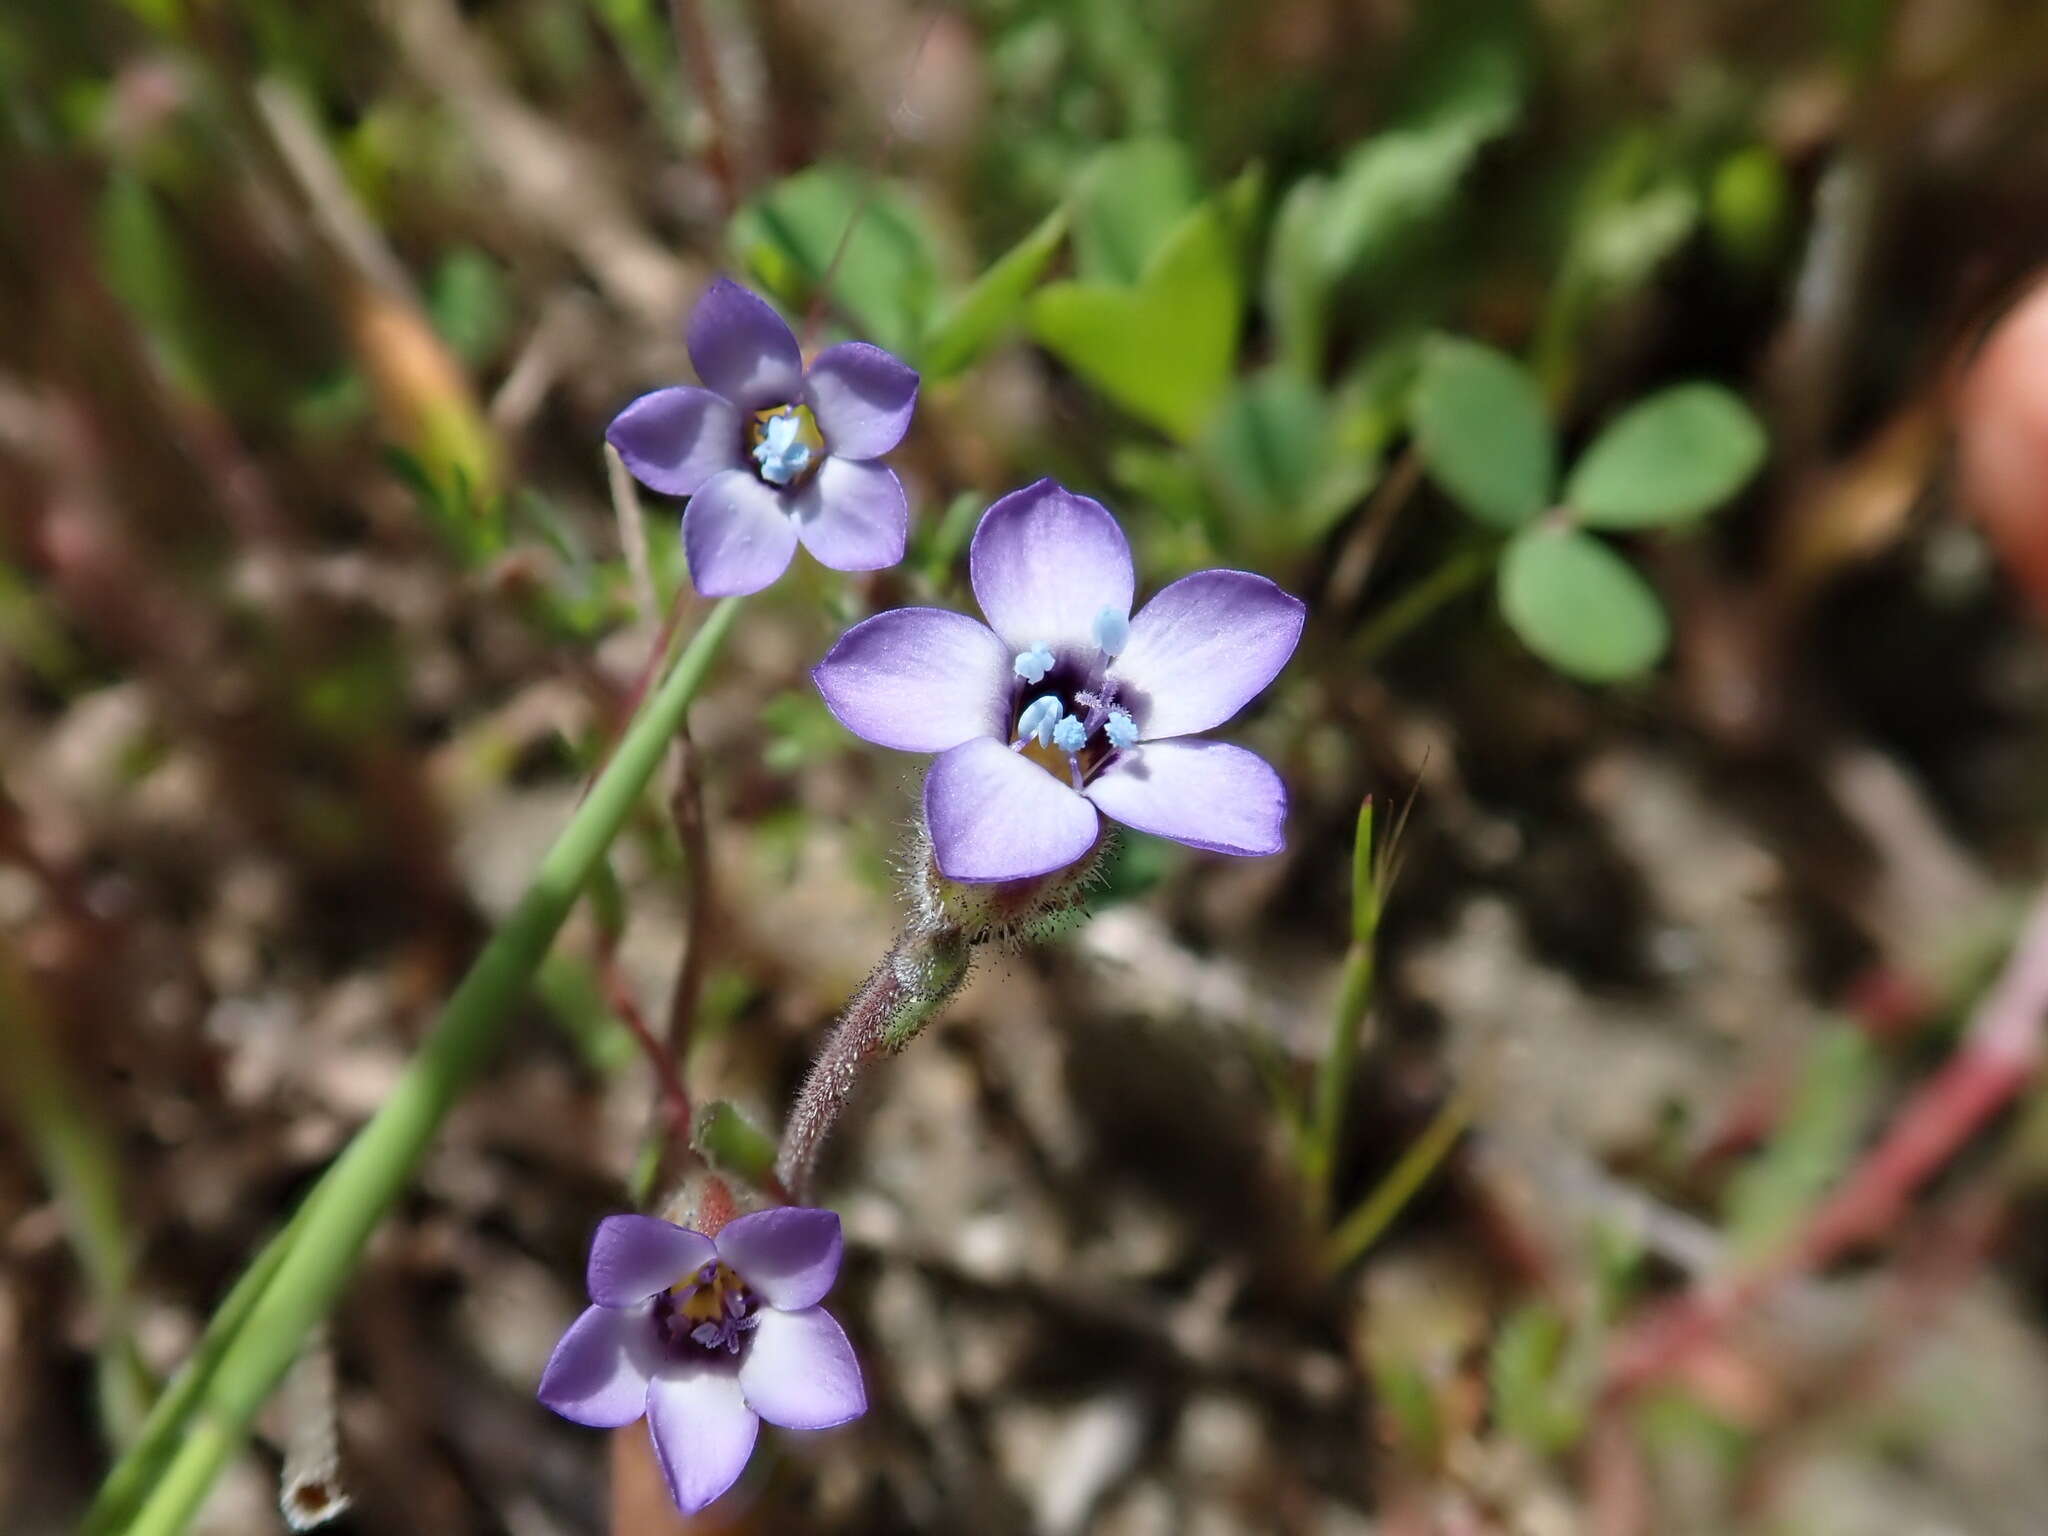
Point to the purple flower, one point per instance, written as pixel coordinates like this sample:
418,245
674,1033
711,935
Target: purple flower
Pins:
707,1338
770,454
1065,704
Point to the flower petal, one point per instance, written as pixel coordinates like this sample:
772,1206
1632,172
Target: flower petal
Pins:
862,397
736,534
703,1432
1045,562
917,679
742,348
632,1257
853,516
600,1369
800,1372
1202,648
673,440
1207,794
996,815
788,1253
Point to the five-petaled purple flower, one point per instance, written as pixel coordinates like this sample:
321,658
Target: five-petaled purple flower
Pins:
770,454
707,1337
1065,703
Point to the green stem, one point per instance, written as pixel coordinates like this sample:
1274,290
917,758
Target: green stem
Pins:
1333,1077
1325,1117
123,1489
80,1166
1374,1214
1413,607
345,1206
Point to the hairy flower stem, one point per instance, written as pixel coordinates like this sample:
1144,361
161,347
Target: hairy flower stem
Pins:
914,982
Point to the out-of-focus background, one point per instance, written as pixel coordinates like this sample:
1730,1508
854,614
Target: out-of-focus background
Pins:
316,612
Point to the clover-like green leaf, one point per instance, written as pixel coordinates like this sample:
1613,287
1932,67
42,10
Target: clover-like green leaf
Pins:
1667,459
1480,427
1580,606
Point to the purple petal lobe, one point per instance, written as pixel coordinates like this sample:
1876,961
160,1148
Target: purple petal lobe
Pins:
632,1257
862,398
673,440
852,516
917,679
703,1433
1208,794
1045,563
800,1371
599,1371
996,815
742,349
736,535
1203,647
788,1254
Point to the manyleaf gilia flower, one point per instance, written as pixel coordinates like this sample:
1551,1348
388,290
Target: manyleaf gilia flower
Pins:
707,1337
1066,704
770,454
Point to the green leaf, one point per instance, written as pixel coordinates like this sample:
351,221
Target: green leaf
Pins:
974,321
1164,349
1814,1143
1130,197
1296,288
1750,206
469,305
1580,606
1482,433
1522,1374
733,1144
799,729
1671,457
1467,80
884,284
1285,461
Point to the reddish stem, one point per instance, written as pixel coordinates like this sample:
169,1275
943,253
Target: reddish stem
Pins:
1997,1058
675,1098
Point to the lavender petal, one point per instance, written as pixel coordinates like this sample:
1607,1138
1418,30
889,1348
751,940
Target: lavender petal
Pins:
853,516
917,679
789,1254
862,398
742,349
1203,648
736,535
1207,794
1045,562
996,815
703,1432
632,1257
800,1371
673,440
599,1371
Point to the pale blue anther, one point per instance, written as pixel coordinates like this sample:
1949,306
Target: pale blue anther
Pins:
1032,665
1041,719
1112,631
781,457
1070,735
1121,730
